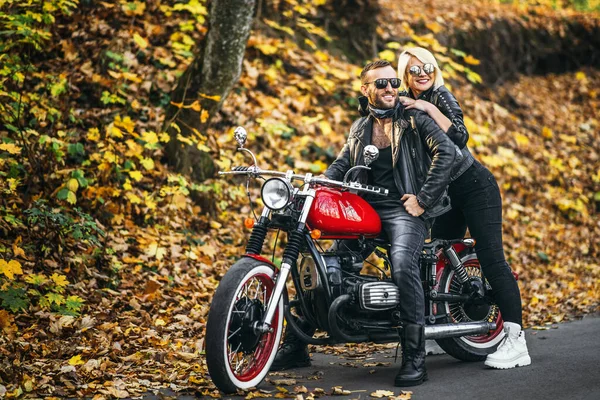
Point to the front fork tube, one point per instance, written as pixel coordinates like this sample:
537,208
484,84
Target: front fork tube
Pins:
290,256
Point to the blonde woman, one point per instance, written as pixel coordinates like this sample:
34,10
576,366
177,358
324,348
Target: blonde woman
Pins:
475,199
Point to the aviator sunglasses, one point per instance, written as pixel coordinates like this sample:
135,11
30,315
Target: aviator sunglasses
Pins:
383,82
415,70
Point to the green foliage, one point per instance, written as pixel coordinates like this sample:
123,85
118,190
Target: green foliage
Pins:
14,299
59,224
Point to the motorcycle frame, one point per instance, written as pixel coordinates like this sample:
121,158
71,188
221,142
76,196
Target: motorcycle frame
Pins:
441,257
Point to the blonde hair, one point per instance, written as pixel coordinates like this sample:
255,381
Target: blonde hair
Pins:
425,57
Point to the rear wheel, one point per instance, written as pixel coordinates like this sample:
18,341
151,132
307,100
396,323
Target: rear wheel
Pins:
238,356
477,347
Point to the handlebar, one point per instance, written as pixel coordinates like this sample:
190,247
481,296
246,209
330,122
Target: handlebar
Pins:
255,172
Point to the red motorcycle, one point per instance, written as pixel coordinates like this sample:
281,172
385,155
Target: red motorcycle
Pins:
245,320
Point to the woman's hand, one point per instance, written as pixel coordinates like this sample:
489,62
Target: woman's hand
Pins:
409,103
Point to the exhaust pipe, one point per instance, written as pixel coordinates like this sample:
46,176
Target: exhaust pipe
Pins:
443,331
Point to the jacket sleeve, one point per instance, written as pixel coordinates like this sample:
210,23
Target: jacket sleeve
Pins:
341,165
442,153
449,106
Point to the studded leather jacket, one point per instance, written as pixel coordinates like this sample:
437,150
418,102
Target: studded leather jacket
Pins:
448,105
422,156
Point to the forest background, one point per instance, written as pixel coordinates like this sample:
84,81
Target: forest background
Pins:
110,252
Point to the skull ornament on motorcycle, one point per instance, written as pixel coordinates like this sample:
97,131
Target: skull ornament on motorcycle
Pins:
246,314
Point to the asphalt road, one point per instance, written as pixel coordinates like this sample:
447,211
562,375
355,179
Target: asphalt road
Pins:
565,365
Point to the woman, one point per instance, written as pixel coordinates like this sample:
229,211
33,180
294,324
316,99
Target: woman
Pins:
475,198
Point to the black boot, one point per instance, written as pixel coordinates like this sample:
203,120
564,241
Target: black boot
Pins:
293,352
413,371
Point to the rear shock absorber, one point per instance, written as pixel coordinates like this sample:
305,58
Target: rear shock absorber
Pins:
457,265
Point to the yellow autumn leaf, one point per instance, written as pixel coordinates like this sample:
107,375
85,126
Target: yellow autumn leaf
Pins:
59,280
147,163
133,78
136,175
469,59
214,98
522,140
73,185
154,250
204,116
150,137
127,185
580,76
164,137
93,134
17,251
149,202
179,200
434,27
11,268
568,138
184,139
125,123
310,43
387,55
133,199
116,132
11,148
547,133
266,49
140,41
76,360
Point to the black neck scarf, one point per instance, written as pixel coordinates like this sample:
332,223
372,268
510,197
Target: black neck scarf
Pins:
383,113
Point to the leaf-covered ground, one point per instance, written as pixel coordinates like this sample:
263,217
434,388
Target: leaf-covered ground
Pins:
117,315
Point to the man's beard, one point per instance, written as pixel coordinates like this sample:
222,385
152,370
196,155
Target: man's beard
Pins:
379,103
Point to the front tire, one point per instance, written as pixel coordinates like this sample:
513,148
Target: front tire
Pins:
477,347
237,356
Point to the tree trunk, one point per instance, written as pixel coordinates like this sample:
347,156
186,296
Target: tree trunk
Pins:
206,83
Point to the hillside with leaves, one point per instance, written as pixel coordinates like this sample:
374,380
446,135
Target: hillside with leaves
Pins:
108,259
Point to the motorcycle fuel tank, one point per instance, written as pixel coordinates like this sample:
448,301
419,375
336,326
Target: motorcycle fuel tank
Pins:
342,215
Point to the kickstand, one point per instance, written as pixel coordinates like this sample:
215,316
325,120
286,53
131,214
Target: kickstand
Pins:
398,345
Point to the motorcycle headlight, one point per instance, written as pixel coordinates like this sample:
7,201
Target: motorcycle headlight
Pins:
276,193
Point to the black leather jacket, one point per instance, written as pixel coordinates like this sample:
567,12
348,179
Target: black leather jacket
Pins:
422,156
448,105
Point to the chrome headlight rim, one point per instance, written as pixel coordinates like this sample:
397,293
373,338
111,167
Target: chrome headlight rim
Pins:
286,192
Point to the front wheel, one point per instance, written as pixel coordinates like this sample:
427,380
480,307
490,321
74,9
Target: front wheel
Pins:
477,347
237,356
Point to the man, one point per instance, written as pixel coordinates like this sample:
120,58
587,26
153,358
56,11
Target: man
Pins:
414,163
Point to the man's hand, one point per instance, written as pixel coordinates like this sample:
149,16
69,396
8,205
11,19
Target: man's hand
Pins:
412,205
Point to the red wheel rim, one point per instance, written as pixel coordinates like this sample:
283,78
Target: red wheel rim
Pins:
481,339
246,367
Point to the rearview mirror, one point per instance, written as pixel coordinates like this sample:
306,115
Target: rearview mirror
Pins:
240,136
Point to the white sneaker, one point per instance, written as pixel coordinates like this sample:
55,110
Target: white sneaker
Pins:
432,348
512,352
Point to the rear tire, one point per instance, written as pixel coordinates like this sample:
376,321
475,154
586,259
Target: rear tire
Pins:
238,357
469,348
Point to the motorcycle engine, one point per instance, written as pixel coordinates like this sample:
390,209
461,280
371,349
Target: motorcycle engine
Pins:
378,295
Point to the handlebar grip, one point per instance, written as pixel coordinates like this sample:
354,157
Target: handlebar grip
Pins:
375,189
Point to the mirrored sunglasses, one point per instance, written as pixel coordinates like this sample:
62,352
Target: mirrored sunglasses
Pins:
383,82
415,70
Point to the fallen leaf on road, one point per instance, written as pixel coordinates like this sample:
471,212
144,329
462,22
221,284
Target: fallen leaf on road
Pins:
338,390
381,393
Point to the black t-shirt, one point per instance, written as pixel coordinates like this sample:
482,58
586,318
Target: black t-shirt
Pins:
381,175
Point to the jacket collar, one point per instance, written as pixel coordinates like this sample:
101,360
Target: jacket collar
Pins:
426,95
